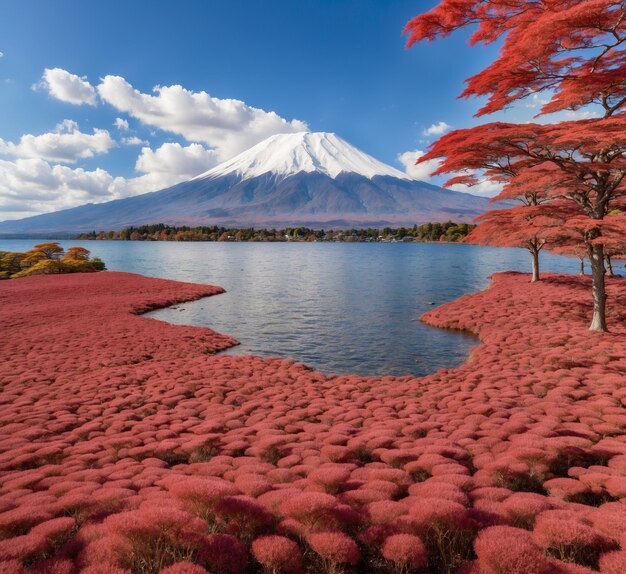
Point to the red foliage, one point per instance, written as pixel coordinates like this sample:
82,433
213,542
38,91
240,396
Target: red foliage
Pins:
244,516
313,509
201,495
277,554
503,549
405,550
568,538
613,562
521,508
224,553
568,47
11,567
335,547
110,459
574,50
155,537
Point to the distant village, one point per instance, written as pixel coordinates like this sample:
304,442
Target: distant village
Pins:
441,232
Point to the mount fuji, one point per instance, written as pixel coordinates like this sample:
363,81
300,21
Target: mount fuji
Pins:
312,179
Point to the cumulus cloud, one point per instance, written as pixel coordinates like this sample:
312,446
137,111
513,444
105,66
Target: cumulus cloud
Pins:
436,129
168,165
67,87
484,188
31,186
423,171
173,158
121,124
66,144
134,140
420,171
1,54
229,126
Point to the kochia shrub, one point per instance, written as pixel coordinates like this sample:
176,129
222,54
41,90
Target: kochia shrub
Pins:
335,549
508,550
564,536
405,551
277,554
153,539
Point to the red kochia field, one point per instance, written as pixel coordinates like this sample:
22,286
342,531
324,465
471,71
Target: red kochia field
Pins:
127,446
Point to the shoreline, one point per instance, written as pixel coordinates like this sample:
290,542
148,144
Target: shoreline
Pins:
125,409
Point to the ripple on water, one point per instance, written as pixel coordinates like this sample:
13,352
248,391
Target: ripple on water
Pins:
341,308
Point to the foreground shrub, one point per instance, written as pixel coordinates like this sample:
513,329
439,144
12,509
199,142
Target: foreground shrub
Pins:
522,508
200,496
446,529
224,554
613,562
153,539
313,509
11,567
335,549
405,552
508,550
243,516
277,554
562,535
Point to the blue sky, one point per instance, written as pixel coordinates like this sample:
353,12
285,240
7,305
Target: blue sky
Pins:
334,65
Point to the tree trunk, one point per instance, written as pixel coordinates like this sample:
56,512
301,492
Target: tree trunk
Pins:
609,266
534,253
596,255
582,266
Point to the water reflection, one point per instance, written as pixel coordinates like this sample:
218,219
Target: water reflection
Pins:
342,308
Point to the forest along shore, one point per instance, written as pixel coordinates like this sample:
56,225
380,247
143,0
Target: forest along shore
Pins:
115,426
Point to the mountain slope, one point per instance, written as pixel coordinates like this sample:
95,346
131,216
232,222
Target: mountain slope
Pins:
287,154
294,179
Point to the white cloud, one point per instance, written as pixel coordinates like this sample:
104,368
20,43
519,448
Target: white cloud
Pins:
168,165
436,129
423,171
66,144
121,124
134,140
229,126
582,114
484,188
173,158
31,186
1,54
67,87
420,171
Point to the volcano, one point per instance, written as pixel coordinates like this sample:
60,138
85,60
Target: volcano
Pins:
313,179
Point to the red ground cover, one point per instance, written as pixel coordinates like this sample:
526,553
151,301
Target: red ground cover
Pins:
127,446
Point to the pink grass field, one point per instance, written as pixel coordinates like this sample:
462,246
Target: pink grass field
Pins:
127,446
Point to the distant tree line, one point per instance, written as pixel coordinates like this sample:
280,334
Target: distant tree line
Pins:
45,259
445,232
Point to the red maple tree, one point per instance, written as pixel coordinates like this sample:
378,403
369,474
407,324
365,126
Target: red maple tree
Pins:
573,50
524,226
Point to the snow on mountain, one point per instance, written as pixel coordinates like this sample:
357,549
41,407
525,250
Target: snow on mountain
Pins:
284,155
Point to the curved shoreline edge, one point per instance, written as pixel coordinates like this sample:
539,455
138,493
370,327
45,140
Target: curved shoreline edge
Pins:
111,421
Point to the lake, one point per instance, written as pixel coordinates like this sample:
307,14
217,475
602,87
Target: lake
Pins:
339,307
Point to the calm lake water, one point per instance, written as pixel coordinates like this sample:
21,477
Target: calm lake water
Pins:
339,307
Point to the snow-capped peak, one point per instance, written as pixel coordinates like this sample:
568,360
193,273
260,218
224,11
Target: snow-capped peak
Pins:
283,155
